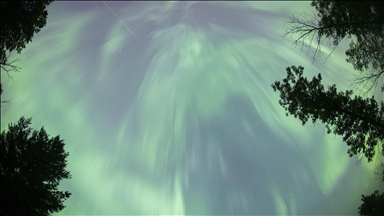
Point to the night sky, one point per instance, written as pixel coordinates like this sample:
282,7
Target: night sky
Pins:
167,108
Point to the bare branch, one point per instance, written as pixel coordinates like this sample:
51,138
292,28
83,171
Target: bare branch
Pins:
8,101
9,66
311,33
305,28
372,80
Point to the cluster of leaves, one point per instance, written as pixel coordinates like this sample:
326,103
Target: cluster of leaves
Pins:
360,21
360,121
372,204
340,19
367,53
364,21
32,165
20,20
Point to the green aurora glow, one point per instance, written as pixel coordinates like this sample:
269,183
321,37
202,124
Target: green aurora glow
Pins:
185,122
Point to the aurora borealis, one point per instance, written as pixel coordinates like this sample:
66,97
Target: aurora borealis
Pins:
167,108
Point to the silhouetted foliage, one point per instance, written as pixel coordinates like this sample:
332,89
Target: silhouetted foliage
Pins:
32,166
20,20
372,204
360,21
360,121
339,19
379,173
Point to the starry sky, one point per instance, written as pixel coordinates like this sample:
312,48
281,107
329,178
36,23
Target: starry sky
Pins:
167,108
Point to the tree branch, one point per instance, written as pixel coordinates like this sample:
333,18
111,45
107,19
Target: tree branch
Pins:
9,66
307,27
371,79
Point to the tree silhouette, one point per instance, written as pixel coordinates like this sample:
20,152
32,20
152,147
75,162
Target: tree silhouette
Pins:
373,205
32,166
20,20
360,21
360,121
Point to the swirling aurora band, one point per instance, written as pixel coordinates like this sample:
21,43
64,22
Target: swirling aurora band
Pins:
184,121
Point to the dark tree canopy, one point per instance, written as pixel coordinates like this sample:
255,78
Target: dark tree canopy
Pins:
373,205
20,20
32,166
360,121
339,19
360,21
